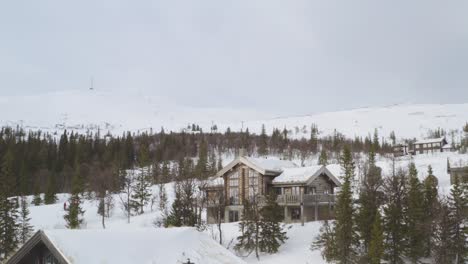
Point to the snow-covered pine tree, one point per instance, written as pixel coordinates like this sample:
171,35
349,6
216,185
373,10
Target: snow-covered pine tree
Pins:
249,239
141,194
369,202
376,247
431,208
272,234
458,202
37,200
174,218
443,243
25,228
393,220
323,158
127,181
414,217
74,212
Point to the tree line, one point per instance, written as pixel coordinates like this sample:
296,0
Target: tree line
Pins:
396,218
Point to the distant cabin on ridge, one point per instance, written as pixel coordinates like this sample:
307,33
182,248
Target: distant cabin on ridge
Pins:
423,146
304,193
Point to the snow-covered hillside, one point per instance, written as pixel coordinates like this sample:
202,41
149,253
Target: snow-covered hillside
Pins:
117,112
297,247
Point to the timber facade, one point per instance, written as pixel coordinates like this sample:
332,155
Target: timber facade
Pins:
304,193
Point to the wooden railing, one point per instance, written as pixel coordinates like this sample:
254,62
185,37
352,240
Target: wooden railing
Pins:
307,199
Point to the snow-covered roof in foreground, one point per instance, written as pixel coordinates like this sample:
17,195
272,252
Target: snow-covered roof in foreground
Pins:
172,245
430,140
272,164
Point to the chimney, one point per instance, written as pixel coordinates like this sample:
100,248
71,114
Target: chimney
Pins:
241,152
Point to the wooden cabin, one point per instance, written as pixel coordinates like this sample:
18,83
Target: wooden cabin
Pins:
400,150
304,193
461,172
429,145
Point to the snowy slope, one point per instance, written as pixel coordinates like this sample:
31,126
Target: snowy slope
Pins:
117,112
296,249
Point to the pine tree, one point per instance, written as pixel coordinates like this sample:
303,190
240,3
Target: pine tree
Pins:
376,247
345,235
326,242
50,196
458,202
431,207
37,200
272,233
220,163
141,194
443,246
339,244
25,228
263,143
393,222
9,228
74,212
414,217
323,158
8,208
369,201
202,167
174,219
249,239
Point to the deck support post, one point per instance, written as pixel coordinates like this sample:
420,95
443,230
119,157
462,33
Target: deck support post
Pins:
302,209
316,209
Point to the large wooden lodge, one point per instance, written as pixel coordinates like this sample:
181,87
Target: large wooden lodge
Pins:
304,193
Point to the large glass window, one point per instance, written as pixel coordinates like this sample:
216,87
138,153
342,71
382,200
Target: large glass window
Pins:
253,183
234,188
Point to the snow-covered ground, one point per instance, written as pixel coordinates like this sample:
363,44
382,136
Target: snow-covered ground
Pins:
83,110
297,247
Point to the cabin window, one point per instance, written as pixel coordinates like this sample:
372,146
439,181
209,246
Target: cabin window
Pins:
296,190
253,184
295,213
234,188
50,259
233,216
277,191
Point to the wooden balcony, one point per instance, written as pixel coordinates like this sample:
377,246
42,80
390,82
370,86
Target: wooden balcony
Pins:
307,199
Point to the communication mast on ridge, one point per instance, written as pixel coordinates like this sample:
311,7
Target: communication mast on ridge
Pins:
92,83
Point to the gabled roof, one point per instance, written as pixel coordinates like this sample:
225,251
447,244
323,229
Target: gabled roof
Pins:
305,175
267,166
38,238
430,140
123,246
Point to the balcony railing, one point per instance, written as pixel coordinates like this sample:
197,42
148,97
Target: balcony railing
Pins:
307,199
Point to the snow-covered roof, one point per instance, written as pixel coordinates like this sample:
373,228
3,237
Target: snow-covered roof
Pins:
304,175
215,182
335,169
272,164
430,140
296,175
155,245
265,166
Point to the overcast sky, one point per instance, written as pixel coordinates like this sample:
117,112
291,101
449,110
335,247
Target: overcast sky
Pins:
286,56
